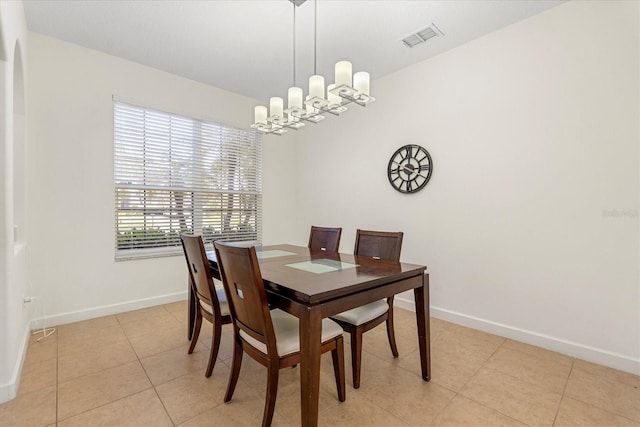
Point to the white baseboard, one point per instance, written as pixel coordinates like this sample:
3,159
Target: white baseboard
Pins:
573,349
9,390
106,310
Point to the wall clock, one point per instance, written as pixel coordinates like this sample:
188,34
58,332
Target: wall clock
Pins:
410,168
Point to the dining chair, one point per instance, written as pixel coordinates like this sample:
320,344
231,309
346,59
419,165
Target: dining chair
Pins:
324,238
357,321
271,337
212,302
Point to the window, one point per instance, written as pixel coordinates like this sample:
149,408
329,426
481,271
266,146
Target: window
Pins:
175,174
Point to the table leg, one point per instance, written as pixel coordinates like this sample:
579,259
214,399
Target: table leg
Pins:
191,301
423,320
310,336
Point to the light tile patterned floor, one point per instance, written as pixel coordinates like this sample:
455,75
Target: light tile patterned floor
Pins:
133,370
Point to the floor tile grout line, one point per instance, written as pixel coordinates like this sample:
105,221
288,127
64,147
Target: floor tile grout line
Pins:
481,366
163,406
444,408
483,404
540,359
602,408
97,372
154,387
105,404
578,399
555,418
563,391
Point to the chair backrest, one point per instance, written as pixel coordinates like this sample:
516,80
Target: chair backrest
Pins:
246,296
199,269
378,244
324,238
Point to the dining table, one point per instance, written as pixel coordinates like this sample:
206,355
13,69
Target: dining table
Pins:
313,285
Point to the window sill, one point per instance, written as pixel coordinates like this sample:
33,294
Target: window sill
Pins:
134,254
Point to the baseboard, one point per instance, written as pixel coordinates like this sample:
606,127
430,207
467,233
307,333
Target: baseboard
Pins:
9,390
573,349
106,310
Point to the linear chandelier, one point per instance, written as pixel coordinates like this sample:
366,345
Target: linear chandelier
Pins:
347,88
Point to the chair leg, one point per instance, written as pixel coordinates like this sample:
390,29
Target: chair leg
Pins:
196,331
272,390
235,368
337,354
356,356
215,347
390,332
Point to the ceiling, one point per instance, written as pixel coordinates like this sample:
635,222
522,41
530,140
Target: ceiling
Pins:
247,46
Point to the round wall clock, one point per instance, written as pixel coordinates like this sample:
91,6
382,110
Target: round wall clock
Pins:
410,168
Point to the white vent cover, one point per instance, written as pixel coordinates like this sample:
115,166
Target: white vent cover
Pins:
422,36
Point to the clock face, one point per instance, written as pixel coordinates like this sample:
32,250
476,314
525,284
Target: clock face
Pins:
410,168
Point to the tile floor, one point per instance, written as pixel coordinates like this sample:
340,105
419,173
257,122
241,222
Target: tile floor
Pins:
132,369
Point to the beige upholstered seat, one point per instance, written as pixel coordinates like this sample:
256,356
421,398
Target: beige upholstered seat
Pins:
287,332
359,315
222,299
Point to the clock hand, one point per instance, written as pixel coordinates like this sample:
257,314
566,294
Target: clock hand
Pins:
409,152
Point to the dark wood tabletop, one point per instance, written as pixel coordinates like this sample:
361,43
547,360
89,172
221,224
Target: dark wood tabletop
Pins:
313,288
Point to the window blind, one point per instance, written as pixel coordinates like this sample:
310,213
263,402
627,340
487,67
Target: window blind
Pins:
176,174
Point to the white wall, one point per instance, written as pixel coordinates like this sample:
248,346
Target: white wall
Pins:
71,178
529,225
534,135
14,316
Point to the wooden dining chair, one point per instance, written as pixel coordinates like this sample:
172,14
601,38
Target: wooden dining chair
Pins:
357,321
324,238
211,302
271,337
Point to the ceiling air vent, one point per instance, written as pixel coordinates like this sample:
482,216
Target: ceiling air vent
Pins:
422,36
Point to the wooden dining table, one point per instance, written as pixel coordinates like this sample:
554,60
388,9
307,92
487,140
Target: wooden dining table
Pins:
312,285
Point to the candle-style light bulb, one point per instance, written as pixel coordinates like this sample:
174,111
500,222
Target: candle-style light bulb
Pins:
261,114
361,82
295,97
276,107
343,73
316,87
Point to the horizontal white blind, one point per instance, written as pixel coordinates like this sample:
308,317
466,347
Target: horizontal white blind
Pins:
175,174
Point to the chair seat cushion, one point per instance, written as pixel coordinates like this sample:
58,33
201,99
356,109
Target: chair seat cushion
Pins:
224,307
359,315
285,327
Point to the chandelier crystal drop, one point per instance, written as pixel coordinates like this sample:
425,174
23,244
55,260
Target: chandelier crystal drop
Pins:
348,88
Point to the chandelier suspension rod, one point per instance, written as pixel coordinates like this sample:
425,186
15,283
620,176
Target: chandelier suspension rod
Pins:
315,36
294,44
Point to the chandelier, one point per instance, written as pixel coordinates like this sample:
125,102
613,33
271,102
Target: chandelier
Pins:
347,88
